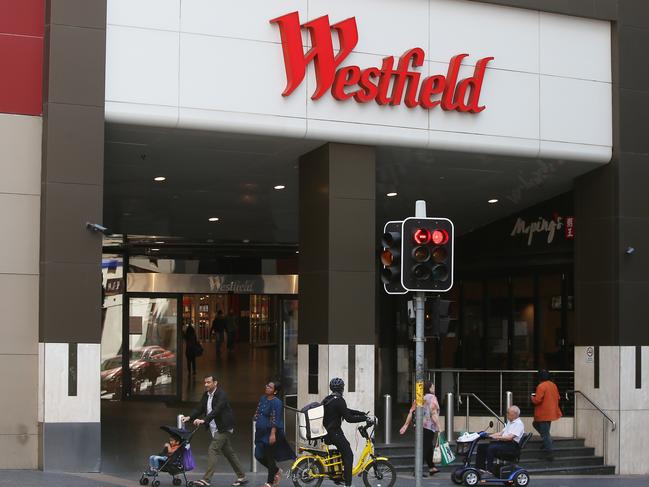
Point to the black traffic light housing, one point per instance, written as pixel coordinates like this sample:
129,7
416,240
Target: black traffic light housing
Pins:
391,258
427,254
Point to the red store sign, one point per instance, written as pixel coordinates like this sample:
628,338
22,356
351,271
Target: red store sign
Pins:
373,83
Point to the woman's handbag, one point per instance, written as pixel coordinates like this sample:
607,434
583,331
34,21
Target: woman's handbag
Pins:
437,452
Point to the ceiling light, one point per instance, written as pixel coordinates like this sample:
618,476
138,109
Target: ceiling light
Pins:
154,250
279,186
391,195
245,240
159,242
297,251
492,201
159,178
214,219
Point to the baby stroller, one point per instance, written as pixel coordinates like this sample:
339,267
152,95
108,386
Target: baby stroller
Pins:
178,463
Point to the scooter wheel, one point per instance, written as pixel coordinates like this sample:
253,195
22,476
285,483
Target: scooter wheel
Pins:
456,477
471,478
522,479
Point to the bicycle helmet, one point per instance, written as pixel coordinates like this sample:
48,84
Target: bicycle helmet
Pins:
337,385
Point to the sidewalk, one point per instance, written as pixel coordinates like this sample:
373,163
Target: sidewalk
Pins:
25,478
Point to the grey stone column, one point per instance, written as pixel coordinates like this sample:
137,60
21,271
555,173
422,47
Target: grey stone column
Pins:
70,255
337,328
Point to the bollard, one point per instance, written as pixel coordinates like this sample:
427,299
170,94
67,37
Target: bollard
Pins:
450,418
253,460
387,401
509,402
179,421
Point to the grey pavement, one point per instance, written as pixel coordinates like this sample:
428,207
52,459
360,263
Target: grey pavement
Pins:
25,478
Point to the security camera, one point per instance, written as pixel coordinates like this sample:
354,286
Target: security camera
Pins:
96,227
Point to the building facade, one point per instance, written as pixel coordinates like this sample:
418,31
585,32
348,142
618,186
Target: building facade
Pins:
358,94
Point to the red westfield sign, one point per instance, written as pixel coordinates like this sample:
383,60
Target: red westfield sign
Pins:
385,85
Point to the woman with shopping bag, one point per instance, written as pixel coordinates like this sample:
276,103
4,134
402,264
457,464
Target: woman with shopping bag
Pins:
431,425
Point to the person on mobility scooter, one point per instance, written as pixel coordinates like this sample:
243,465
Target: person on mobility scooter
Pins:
506,445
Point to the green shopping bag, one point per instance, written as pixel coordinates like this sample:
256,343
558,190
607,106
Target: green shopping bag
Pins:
448,456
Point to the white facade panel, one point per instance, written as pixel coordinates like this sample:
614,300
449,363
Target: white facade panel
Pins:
142,66
575,48
547,92
576,111
228,80
149,14
240,20
510,35
511,101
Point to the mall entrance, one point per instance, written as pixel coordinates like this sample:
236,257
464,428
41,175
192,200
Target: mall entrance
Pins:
246,327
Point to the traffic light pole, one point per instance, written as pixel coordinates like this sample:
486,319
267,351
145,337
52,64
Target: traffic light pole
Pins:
420,299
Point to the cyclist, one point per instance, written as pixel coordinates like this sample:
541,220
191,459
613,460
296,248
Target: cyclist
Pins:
335,410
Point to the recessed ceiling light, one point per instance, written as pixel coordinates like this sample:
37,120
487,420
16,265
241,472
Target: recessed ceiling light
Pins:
279,186
159,242
154,250
492,201
391,195
214,219
245,240
297,251
159,178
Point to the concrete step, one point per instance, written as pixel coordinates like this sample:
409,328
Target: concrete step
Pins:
402,465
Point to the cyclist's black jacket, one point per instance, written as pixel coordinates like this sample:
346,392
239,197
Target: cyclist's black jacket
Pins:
335,410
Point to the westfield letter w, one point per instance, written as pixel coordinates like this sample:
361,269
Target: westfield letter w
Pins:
385,85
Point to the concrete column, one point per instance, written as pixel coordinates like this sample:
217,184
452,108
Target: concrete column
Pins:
70,254
336,336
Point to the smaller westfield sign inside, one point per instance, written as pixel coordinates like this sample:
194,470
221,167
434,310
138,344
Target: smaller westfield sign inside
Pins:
386,85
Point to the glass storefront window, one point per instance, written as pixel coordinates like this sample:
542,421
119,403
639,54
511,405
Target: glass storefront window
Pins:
496,335
473,329
550,321
112,271
522,348
153,325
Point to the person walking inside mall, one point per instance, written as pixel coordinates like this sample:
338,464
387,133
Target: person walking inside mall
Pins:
218,328
193,349
431,425
270,442
546,410
219,421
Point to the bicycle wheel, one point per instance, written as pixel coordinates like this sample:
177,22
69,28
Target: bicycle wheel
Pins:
379,473
306,471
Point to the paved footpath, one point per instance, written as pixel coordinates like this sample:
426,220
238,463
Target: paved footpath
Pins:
24,478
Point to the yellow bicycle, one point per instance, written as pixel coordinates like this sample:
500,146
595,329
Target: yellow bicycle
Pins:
317,464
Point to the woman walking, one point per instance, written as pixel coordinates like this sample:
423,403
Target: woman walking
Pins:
270,443
191,349
431,424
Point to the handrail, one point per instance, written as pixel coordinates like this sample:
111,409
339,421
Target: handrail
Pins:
604,417
494,371
471,394
613,423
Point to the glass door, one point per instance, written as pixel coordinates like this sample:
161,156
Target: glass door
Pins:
153,346
289,321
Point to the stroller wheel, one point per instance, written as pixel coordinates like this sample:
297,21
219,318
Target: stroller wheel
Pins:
176,481
155,483
144,481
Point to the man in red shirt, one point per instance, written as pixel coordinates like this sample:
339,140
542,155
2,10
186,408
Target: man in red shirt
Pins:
546,409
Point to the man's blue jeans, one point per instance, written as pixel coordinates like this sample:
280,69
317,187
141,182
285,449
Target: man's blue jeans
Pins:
543,427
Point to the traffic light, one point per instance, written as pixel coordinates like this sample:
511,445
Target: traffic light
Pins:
427,254
391,258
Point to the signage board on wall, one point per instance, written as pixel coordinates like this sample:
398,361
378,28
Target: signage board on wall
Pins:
386,85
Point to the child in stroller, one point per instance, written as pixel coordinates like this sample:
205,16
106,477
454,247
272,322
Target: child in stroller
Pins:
175,459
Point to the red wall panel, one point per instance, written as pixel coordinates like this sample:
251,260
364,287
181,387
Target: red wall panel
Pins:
24,17
22,25
21,82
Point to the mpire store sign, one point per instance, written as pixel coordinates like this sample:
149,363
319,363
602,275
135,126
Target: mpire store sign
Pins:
386,85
